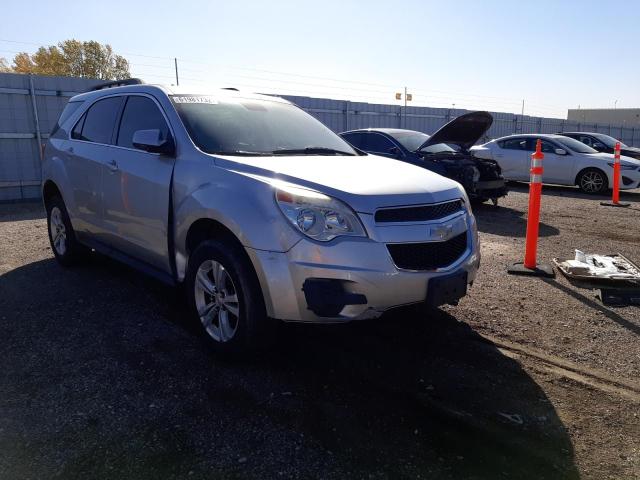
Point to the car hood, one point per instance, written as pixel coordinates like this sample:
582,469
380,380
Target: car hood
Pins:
364,182
463,131
608,157
631,150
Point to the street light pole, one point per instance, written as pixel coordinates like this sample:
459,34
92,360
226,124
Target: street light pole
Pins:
405,107
403,113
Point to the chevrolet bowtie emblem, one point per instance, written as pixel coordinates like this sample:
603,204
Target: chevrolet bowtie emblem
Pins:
441,232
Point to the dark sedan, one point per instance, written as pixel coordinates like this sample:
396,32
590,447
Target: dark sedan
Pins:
603,143
445,152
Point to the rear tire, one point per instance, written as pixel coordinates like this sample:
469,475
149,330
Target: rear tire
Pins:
225,299
593,181
62,238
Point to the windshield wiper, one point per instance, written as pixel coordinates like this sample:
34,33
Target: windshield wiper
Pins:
244,153
310,151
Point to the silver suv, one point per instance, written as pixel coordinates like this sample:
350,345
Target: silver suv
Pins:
258,209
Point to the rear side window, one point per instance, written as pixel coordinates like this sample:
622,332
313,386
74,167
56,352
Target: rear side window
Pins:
77,130
140,113
69,110
514,144
99,121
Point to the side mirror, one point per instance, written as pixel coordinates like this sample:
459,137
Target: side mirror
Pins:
395,151
560,151
153,142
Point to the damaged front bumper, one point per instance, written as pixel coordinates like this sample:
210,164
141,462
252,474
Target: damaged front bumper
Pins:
489,189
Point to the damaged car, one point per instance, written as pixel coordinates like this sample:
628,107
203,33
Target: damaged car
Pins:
446,152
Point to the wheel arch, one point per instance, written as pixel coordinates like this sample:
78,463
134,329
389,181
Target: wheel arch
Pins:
209,229
50,190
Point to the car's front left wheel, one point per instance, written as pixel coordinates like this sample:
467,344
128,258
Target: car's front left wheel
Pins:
226,299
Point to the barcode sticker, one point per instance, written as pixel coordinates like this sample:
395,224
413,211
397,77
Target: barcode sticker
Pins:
194,99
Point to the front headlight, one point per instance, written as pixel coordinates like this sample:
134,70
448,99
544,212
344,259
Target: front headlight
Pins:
316,215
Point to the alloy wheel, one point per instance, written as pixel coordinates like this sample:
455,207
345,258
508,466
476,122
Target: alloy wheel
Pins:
58,231
592,182
216,301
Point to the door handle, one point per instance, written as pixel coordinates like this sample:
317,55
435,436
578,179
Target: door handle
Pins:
113,166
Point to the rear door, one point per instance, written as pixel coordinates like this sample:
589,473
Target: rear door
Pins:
136,186
513,158
87,150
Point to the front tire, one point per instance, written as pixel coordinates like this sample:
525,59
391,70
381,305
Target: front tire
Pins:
226,300
593,181
62,238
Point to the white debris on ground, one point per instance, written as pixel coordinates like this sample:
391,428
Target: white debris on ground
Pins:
611,267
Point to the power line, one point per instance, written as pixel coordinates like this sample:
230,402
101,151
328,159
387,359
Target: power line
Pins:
340,87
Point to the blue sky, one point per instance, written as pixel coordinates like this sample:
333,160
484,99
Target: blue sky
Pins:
490,54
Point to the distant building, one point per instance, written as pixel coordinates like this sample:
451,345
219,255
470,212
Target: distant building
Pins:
625,117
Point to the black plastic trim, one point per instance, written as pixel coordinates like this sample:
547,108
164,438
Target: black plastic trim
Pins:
327,297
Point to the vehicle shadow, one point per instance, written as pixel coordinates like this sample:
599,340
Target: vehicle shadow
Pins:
12,212
611,315
104,377
507,222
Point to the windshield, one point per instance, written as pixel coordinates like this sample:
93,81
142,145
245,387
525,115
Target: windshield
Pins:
410,140
438,148
575,145
237,126
607,140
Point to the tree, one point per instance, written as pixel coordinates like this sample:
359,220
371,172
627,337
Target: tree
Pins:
4,66
75,59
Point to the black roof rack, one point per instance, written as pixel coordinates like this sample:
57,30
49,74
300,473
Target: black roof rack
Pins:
230,88
117,83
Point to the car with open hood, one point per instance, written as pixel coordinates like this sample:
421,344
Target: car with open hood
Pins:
603,143
256,208
446,152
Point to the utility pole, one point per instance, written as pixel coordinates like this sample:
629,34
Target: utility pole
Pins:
522,113
175,62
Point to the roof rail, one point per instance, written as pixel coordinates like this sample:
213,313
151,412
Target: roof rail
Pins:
230,88
116,83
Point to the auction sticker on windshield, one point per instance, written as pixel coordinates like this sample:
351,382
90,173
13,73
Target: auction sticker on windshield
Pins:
193,99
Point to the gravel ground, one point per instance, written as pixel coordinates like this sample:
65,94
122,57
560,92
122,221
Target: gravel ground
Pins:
527,378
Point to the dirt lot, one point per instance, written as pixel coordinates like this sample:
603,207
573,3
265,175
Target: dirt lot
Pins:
527,378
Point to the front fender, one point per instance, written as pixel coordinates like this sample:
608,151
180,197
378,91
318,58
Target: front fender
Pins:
242,204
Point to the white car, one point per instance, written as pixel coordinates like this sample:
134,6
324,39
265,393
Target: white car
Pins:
566,162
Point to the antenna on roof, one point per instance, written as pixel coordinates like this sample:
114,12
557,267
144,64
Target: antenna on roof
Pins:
116,83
